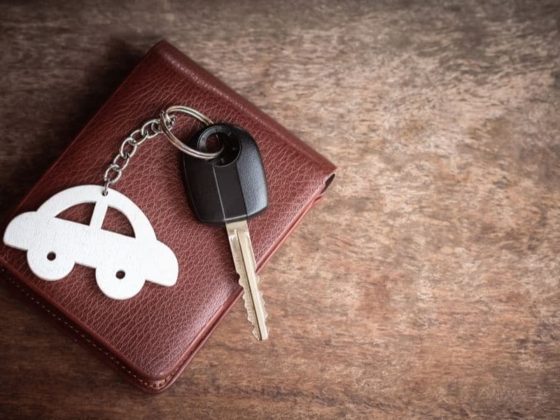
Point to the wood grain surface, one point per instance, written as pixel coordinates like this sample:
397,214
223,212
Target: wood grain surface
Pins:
426,284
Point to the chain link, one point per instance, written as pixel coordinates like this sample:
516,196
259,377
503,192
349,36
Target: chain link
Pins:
150,129
128,148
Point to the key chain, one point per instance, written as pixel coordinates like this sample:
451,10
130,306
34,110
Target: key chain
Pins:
122,264
227,186
149,130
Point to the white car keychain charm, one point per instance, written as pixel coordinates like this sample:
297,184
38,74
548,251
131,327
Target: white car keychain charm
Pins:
122,263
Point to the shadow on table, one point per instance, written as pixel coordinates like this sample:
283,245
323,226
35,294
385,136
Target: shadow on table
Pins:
70,112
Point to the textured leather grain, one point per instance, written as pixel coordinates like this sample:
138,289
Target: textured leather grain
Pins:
152,336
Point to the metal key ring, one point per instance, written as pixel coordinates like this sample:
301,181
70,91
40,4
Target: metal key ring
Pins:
165,117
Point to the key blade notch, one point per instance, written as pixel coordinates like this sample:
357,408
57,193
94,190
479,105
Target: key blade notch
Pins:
245,266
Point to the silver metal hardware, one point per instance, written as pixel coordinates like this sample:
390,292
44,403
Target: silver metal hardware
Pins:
246,266
149,130
165,120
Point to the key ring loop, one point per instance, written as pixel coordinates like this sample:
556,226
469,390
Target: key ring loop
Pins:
166,122
149,130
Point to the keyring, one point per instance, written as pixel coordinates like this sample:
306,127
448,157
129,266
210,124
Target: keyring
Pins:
150,129
166,122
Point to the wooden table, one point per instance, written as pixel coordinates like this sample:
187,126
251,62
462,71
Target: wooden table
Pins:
427,282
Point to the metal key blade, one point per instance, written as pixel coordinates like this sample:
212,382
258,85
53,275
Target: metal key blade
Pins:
245,266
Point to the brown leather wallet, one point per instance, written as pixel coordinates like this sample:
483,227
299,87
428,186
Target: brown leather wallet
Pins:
153,336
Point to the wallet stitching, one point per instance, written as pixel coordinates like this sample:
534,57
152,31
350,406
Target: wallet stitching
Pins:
160,383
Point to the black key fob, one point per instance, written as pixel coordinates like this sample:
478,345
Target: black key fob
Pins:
230,187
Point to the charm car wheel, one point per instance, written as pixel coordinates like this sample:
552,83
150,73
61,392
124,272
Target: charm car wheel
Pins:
49,264
119,282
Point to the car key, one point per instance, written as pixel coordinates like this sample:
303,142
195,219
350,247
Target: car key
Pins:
228,190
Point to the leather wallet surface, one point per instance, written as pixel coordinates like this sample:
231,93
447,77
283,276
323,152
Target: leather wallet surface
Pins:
152,336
